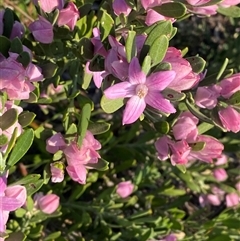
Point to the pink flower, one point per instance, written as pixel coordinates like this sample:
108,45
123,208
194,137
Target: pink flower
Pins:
153,17
46,203
232,199
198,2
96,41
229,3
230,85
230,119
206,97
220,174
11,198
42,30
221,160
78,173
57,172
68,16
206,11
153,3
185,77
237,186
125,189
17,30
213,199
142,90
55,143
48,6
120,6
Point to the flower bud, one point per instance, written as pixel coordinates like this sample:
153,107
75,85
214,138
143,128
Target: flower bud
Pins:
57,172
232,199
125,189
221,160
48,203
220,174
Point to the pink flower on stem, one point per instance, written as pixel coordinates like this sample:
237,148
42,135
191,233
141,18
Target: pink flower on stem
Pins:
230,119
125,189
42,30
120,6
68,16
206,97
57,172
46,203
220,174
11,198
232,199
142,90
55,143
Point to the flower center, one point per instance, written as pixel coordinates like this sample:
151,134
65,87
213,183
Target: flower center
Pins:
141,90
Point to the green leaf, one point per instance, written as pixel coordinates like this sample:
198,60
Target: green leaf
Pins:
173,192
52,236
110,106
26,180
146,66
223,67
171,10
25,118
8,119
98,127
20,212
163,66
16,46
182,168
162,127
204,127
24,58
19,236
158,50
87,77
232,11
24,142
49,69
102,165
130,46
3,140
197,64
32,98
198,146
11,143
106,24
58,155
86,48
83,122
235,99
34,186
8,19
173,95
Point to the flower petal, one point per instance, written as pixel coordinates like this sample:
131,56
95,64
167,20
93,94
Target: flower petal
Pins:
134,108
157,101
120,90
136,76
10,203
160,80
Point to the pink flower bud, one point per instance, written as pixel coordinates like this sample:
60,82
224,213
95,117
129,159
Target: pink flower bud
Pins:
47,203
213,199
171,237
232,199
55,143
17,30
120,6
221,160
57,172
125,189
42,30
237,186
220,174
68,16
230,119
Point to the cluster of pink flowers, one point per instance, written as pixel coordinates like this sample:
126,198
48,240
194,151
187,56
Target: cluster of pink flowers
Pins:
79,159
42,29
199,7
181,149
208,97
11,198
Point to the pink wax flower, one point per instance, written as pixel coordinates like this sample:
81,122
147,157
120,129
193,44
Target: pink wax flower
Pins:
57,172
42,30
229,3
46,203
48,6
206,97
80,158
55,143
185,77
68,16
11,198
142,90
230,85
221,160
230,119
232,200
125,189
153,17
120,6
220,174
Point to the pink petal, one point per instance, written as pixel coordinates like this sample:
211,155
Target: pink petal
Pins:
156,100
78,173
120,90
9,203
160,80
136,76
134,108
